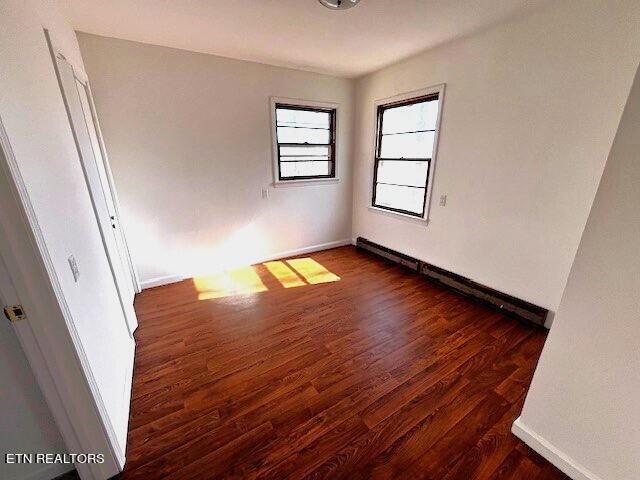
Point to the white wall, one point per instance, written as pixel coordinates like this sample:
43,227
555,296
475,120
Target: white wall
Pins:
25,419
189,142
36,123
584,398
529,115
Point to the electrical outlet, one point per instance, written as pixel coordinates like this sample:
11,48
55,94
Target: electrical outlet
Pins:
265,193
443,200
74,268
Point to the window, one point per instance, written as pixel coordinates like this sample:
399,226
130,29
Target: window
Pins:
405,142
305,142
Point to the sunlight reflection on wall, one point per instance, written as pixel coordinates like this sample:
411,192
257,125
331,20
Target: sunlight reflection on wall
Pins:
240,249
188,254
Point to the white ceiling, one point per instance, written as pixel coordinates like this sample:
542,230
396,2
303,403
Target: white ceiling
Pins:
296,33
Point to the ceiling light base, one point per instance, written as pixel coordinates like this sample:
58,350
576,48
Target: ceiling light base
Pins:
339,4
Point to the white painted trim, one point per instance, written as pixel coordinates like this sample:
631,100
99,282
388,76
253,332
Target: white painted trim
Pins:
166,280
46,473
310,249
440,90
565,463
302,183
274,141
391,213
64,376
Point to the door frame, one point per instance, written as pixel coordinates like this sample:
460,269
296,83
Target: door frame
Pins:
48,335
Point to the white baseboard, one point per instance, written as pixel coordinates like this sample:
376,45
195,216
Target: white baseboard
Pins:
47,472
565,463
302,251
158,281
165,280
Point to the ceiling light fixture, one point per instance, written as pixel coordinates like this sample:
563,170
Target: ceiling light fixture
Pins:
339,4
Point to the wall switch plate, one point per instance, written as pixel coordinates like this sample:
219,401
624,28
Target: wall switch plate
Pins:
265,193
74,268
443,200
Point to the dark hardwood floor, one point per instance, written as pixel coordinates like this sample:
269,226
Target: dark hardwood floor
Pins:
377,374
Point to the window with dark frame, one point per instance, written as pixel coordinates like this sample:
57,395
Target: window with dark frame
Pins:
405,140
306,142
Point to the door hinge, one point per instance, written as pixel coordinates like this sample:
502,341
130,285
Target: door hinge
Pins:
15,313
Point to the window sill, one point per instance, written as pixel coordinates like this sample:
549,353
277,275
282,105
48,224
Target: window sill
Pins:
403,216
301,183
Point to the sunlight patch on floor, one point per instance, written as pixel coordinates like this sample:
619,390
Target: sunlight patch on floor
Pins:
293,273
287,277
241,281
312,271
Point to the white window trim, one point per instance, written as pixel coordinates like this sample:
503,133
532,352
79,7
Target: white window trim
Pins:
439,89
274,142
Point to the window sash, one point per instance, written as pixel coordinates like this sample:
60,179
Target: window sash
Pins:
378,158
400,210
299,158
312,158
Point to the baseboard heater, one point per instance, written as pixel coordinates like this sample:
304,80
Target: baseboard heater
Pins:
506,303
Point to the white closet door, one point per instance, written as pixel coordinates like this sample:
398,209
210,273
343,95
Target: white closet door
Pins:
123,251
99,198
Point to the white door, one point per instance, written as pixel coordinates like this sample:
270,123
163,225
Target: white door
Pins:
106,187
101,198
106,179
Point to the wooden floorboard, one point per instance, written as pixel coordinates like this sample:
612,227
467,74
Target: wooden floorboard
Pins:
358,369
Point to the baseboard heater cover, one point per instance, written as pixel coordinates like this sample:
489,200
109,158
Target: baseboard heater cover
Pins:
506,303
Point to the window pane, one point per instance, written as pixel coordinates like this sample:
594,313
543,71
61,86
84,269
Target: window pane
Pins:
302,118
409,118
302,135
407,145
304,151
401,198
304,169
403,173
